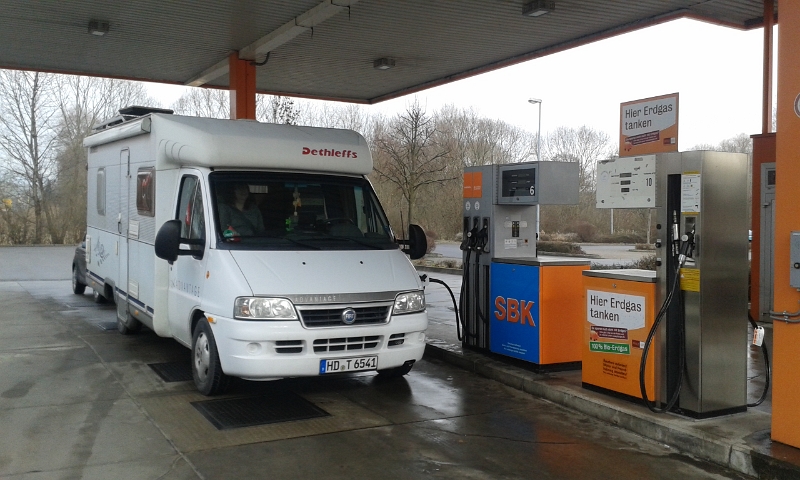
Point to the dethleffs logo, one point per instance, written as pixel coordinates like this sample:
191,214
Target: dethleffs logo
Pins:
513,310
329,152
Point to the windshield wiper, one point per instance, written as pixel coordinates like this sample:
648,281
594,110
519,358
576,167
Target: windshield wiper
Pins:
351,239
301,243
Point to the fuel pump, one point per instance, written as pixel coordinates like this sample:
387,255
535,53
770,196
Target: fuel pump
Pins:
699,332
502,300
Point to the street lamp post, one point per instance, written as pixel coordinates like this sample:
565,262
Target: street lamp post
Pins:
536,101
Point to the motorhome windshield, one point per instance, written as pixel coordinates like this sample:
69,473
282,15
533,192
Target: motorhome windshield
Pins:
294,211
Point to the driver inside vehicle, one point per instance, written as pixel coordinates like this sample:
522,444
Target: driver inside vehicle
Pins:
238,213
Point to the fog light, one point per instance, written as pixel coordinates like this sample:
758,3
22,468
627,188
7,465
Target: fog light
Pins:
253,348
421,337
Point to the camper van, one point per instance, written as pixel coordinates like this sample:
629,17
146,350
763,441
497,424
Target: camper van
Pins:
262,248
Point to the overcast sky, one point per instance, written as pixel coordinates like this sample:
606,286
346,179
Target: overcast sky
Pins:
716,70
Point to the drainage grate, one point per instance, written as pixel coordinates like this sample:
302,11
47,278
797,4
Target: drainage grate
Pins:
106,326
274,407
173,371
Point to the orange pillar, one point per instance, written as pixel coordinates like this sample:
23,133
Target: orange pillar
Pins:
243,87
786,361
763,152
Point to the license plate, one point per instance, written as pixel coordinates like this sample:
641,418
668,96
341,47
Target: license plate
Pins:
355,364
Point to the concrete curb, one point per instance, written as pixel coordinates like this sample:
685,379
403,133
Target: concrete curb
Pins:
732,454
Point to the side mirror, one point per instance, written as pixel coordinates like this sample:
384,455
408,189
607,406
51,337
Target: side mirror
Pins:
168,240
417,243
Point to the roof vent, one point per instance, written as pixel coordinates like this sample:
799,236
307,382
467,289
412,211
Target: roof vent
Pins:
130,113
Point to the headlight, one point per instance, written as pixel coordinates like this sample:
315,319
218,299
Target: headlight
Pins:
258,308
409,302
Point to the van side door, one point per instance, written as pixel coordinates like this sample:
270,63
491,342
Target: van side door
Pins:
187,273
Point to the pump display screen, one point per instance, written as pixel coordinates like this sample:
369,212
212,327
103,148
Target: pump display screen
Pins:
518,183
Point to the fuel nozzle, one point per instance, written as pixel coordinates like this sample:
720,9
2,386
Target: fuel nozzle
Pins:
482,239
469,235
465,241
470,239
687,246
676,234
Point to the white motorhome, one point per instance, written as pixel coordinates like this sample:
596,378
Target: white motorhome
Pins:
263,248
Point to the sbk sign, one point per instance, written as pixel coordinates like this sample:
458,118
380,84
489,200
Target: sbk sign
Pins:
513,310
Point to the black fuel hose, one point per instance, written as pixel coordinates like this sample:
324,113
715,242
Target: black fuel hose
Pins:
649,342
459,326
767,370
685,250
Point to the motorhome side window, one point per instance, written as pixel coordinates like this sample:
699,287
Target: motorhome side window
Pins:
146,191
295,211
191,212
101,191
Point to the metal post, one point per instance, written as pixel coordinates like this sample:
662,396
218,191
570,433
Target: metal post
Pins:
538,151
612,221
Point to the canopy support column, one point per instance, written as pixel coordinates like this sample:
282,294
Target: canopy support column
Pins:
786,336
242,75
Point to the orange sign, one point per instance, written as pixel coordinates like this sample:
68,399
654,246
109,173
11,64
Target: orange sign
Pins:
649,126
619,315
473,184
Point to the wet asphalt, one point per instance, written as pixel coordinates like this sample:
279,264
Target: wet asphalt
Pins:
78,400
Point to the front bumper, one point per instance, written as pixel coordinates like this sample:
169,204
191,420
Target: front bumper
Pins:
266,350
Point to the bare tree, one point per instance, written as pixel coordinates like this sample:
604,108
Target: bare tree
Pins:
13,213
408,156
27,138
741,143
327,114
276,109
83,103
583,145
703,146
204,102
215,103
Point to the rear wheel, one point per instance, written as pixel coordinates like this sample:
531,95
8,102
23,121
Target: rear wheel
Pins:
129,325
78,287
206,368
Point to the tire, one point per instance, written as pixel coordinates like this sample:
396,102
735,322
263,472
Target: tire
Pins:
77,286
98,297
206,368
128,326
396,372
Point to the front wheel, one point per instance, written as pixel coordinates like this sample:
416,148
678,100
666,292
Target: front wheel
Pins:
206,368
78,287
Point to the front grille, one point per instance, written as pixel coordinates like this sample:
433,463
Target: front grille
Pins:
332,317
324,345
397,339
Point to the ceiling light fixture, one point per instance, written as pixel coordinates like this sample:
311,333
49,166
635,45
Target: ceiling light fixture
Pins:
538,8
383,63
98,28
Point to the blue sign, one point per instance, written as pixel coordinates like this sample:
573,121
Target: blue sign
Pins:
514,311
